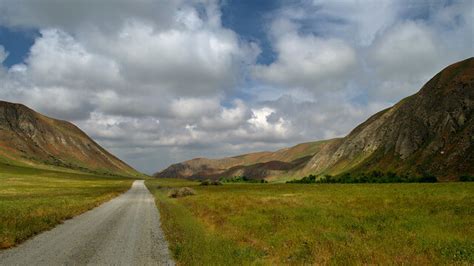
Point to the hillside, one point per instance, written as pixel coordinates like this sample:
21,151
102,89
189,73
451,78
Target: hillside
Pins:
431,131
28,138
254,165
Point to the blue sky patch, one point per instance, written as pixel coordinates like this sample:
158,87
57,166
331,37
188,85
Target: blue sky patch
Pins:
17,43
249,20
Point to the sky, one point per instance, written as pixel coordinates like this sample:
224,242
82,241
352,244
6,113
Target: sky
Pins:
158,82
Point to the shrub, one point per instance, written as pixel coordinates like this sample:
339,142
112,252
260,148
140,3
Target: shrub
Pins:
427,178
209,182
311,179
216,183
181,192
241,179
206,182
466,178
326,179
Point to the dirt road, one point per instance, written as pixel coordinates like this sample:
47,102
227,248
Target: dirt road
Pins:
123,231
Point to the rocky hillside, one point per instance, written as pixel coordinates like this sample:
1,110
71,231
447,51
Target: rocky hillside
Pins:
254,165
431,132
30,139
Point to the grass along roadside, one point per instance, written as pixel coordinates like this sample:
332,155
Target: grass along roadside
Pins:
189,240
322,223
35,200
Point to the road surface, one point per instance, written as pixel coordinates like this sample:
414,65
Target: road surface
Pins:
123,231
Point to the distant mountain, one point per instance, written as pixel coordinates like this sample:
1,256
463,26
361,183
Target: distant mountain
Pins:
254,165
431,132
28,138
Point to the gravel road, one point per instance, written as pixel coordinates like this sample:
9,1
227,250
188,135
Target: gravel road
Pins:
123,231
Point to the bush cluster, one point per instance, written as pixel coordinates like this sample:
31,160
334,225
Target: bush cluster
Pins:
466,178
209,182
311,179
371,177
241,179
181,192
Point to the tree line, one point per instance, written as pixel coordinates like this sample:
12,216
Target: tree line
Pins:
370,177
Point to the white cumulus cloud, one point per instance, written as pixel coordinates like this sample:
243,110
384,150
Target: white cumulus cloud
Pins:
308,62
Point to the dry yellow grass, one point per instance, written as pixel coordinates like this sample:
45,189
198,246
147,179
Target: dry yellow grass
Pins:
322,224
33,200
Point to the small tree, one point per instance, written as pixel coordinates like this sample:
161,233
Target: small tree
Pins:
427,178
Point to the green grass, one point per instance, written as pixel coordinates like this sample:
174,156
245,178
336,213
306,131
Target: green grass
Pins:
35,200
190,241
321,223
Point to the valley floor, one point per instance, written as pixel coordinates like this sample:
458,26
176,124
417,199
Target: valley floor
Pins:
35,200
324,224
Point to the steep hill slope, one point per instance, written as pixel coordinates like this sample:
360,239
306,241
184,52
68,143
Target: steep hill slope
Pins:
431,131
31,139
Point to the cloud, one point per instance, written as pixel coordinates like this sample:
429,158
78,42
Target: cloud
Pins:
59,68
308,62
71,15
305,60
138,63
3,54
228,118
352,20
189,62
402,58
398,47
264,121
408,53
408,40
333,115
57,59
194,107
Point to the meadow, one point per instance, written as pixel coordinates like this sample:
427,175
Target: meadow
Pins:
35,200
263,224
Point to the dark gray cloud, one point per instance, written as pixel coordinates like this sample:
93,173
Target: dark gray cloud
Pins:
73,16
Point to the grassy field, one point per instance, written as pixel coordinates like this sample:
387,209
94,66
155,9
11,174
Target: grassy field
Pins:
321,223
33,200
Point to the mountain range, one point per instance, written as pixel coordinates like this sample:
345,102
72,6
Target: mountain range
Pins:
430,132
30,139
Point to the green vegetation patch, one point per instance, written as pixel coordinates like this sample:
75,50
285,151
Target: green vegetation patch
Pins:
466,178
241,179
371,177
35,200
406,223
